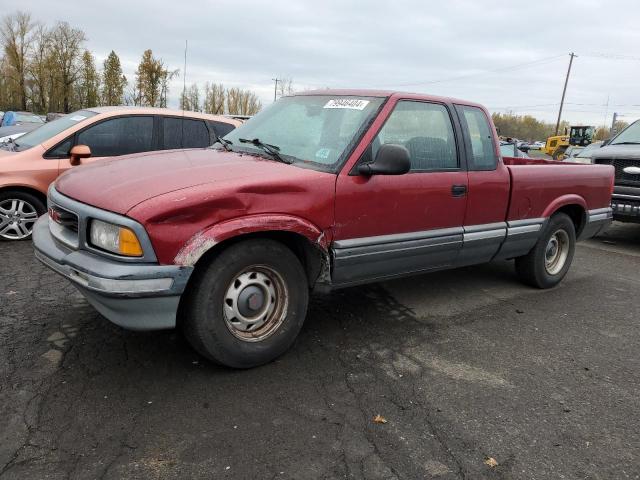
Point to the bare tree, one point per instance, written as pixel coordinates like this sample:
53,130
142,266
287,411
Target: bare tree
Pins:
66,43
164,91
15,32
242,102
190,99
233,101
214,98
38,69
285,87
5,95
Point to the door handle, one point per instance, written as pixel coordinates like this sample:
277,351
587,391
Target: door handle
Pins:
458,190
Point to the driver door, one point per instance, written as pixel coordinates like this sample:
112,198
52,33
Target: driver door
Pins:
390,225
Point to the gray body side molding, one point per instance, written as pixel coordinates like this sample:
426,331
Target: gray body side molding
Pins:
369,259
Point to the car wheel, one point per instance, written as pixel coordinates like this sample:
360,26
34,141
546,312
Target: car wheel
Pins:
18,213
247,306
549,261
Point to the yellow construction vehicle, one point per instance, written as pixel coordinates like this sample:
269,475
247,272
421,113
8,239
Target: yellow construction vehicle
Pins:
579,135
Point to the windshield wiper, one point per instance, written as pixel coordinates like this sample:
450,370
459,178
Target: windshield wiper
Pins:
9,144
626,143
225,143
272,150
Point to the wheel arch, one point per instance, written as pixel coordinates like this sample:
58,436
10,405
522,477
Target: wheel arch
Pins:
304,239
574,206
26,189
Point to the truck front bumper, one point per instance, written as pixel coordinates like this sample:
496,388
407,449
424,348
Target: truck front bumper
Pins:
132,295
625,202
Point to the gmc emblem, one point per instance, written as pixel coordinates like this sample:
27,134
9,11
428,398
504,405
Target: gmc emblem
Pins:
54,215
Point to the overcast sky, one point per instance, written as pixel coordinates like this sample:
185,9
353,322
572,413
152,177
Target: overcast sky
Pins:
508,55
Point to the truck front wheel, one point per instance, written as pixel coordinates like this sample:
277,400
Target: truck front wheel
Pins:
547,264
247,306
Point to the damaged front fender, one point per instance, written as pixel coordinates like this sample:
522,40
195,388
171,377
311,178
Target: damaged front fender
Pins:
203,241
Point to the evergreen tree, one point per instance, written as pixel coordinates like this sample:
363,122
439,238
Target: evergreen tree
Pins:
113,81
89,83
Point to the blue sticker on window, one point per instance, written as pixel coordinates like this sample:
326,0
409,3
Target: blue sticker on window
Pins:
323,153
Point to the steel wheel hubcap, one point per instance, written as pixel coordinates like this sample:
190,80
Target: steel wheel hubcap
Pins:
556,252
16,219
255,303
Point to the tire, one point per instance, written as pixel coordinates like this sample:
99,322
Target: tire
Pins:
18,213
558,152
233,290
540,268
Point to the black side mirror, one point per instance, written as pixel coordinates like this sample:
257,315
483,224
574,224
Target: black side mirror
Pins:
606,142
390,160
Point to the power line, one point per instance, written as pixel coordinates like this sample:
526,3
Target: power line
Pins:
612,56
485,72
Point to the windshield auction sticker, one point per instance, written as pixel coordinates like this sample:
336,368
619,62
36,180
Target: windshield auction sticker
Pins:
351,103
77,118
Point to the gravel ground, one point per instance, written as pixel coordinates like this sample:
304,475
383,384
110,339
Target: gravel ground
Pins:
464,365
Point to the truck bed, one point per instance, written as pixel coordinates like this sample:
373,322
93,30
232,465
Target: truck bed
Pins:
538,186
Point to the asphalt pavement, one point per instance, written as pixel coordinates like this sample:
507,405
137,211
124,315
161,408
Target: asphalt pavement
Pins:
476,376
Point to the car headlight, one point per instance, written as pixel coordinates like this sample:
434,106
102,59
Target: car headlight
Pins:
114,239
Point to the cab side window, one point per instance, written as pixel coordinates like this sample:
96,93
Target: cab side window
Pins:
221,128
480,138
119,136
425,129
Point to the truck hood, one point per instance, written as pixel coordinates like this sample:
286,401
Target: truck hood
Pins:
121,183
618,152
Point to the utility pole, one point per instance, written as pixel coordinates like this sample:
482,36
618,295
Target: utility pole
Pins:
613,124
564,90
275,88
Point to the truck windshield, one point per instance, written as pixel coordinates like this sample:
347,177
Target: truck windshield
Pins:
51,129
309,130
631,134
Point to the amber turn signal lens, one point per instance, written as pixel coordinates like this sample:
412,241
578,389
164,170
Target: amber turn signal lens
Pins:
129,244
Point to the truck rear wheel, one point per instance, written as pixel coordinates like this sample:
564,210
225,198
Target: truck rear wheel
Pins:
549,261
247,306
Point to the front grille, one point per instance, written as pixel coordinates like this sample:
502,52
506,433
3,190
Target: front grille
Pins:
623,178
64,217
63,225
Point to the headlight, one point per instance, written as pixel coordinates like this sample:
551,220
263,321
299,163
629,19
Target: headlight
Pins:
114,239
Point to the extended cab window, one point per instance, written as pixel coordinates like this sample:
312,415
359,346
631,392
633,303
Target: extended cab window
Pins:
119,136
185,133
425,129
480,137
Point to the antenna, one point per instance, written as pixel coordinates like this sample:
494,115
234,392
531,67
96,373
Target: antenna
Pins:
184,92
184,74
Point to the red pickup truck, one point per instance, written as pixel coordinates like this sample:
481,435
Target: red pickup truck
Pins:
321,190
